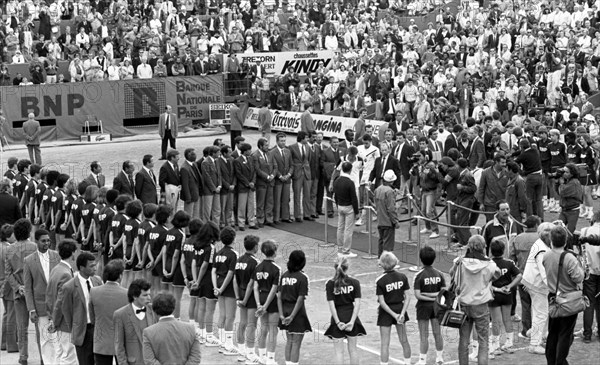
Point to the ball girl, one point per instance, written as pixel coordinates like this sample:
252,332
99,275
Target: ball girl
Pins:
59,213
391,290
225,289
171,269
117,227
244,269
293,290
343,295
266,283
202,285
99,216
132,210
188,252
143,242
86,224
156,244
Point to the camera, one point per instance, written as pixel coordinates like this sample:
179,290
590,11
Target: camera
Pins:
559,173
592,239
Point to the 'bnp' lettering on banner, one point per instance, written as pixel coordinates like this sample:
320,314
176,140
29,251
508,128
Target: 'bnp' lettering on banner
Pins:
51,105
190,96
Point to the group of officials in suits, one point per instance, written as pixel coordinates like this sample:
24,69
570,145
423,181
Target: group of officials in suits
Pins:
80,318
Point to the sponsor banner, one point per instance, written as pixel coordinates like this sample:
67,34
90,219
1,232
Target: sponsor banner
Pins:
277,63
289,122
219,114
125,107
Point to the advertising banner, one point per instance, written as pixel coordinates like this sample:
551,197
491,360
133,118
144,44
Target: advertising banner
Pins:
124,107
289,122
277,63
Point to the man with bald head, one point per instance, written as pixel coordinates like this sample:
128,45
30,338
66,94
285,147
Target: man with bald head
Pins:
32,130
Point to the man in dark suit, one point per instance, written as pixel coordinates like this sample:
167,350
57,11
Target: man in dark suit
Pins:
145,182
14,261
11,211
330,158
382,164
167,129
62,272
264,165
191,183
169,179
237,123
301,178
400,124
283,173
477,152
452,139
170,341
447,94
36,273
96,177
123,182
211,186
9,326
245,174
74,297
130,323
315,174
104,301
228,183
403,153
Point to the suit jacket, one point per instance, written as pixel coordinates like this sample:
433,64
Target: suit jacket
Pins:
145,187
477,154
14,262
307,123
329,160
236,118
162,124
227,175
168,175
191,182
170,341
11,211
300,163
35,281
122,184
104,301
315,161
378,170
394,126
264,164
74,307
448,95
211,176
129,339
5,289
450,143
245,173
460,96
404,163
92,181
283,164
58,277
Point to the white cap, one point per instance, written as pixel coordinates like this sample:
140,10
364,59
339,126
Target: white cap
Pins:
389,176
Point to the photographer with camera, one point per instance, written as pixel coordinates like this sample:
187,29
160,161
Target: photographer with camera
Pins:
589,241
570,194
564,275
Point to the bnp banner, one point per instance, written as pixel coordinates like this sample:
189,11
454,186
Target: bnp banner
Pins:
277,63
125,107
289,122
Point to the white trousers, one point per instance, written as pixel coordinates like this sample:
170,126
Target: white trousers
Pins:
64,349
46,340
539,317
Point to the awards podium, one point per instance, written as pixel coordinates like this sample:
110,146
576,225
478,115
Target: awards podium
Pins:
97,135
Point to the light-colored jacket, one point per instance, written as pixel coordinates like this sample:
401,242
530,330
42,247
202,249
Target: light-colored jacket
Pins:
476,277
534,276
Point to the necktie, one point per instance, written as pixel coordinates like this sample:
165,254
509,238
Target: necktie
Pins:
168,122
383,162
138,311
71,271
152,176
89,285
337,156
301,151
131,181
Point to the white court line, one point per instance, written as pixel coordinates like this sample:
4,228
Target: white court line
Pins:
363,274
369,350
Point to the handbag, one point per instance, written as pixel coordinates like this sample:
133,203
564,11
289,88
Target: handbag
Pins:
447,304
566,304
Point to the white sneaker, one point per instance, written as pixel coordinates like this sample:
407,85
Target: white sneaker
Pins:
421,362
516,318
231,351
242,358
508,348
252,359
358,222
538,350
350,254
439,361
212,341
434,235
424,230
473,356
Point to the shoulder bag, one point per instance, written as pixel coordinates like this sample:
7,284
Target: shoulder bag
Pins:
565,304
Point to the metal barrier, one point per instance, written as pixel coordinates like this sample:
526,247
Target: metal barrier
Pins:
326,243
